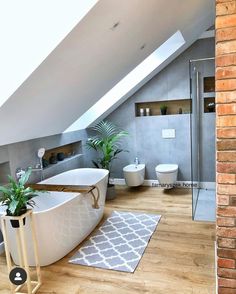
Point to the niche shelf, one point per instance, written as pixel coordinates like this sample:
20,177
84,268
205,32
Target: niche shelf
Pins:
209,84
71,151
173,107
208,100
66,160
4,171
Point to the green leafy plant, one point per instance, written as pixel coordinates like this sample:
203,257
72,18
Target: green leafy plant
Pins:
163,107
107,143
15,196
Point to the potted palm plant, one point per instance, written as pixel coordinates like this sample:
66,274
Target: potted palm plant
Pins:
107,144
163,109
15,196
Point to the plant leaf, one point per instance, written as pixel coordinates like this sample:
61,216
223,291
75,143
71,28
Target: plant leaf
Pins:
16,196
13,205
5,190
106,142
95,164
24,178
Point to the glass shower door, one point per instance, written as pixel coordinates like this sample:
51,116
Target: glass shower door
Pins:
195,133
202,94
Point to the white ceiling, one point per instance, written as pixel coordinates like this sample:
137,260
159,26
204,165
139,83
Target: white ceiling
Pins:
26,40
93,58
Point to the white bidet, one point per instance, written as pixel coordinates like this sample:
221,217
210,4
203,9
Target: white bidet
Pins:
134,174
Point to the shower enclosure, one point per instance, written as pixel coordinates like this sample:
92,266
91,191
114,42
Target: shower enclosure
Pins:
202,95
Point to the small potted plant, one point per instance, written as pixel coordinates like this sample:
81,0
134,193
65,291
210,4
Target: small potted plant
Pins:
15,196
211,107
163,109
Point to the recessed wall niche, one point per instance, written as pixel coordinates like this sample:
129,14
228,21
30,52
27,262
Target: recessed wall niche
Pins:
4,172
179,106
209,84
68,151
209,104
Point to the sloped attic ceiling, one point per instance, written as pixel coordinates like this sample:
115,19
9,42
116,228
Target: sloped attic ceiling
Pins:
93,58
28,35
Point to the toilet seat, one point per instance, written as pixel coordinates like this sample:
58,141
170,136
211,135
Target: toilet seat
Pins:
166,168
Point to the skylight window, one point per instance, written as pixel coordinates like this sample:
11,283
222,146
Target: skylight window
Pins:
29,31
130,81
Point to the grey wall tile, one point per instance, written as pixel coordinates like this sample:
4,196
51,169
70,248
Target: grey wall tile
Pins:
24,154
4,154
145,139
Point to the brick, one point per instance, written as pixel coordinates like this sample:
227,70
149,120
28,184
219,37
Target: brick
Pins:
226,232
225,21
226,156
226,242
226,97
226,189
226,222
227,273
222,199
226,263
229,211
226,178
230,283
226,72
227,253
226,34
222,1
225,60
226,133
226,85
226,121
232,200
226,168
226,290
226,8
226,47
225,25
224,109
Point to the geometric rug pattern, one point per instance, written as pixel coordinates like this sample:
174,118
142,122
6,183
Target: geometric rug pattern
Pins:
119,243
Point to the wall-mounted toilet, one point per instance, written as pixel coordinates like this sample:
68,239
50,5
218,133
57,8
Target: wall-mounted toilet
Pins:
134,174
167,175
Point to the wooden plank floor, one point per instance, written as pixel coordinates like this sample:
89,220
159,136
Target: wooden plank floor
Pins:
178,259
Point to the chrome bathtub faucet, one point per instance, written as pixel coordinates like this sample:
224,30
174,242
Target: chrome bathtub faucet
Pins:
20,172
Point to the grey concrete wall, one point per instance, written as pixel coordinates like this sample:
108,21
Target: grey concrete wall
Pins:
24,154
145,132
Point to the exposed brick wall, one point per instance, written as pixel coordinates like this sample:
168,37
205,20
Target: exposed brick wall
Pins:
226,144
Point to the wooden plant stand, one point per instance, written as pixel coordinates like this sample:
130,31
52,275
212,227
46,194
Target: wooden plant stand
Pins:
32,286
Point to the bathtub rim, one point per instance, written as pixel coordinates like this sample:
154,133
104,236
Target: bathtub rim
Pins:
101,170
106,172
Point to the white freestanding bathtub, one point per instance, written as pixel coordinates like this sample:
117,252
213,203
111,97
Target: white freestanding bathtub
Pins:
63,219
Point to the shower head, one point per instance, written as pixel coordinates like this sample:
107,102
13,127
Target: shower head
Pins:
41,152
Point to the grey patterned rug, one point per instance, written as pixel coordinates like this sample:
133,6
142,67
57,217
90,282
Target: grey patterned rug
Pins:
119,243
